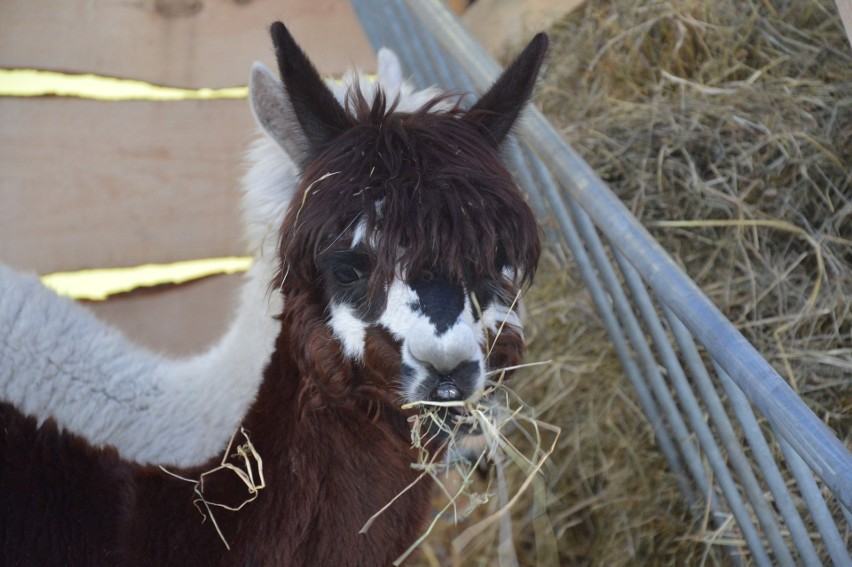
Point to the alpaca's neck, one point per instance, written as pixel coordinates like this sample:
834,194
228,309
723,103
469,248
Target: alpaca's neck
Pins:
328,470
224,381
221,382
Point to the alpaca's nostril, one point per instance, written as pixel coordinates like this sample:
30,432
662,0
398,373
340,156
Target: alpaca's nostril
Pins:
446,392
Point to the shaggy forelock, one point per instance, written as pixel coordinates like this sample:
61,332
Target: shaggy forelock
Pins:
434,195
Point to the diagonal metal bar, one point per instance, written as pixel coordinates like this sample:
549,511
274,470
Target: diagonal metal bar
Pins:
728,437
691,408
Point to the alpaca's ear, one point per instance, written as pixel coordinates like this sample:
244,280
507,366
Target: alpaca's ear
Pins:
389,72
498,109
273,112
319,117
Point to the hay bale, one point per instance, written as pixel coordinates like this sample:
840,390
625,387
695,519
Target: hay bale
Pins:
737,116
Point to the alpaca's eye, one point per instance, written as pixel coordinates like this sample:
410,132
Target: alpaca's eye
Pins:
345,270
345,274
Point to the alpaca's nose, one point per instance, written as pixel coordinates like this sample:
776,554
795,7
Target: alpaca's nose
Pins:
449,354
456,385
446,392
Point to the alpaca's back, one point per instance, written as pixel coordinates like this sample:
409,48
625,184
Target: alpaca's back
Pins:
55,491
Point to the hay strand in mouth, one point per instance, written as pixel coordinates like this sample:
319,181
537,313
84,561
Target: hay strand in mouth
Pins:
487,416
530,467
493,413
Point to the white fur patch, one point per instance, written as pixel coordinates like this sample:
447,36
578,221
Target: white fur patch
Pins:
423,346
349,330
358,233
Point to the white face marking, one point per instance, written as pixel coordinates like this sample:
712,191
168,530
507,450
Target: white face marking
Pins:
349,330
438,347
425,350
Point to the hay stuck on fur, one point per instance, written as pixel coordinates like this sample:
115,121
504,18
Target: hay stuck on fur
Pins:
249,465
726,127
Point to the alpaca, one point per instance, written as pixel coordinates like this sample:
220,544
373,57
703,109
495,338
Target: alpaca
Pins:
150,408
399,259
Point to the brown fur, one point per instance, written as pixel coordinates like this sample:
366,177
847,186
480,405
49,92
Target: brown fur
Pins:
328,469
448,202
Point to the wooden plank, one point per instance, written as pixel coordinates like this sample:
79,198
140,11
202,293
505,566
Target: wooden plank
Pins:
174,320
506,25
182,43
90,184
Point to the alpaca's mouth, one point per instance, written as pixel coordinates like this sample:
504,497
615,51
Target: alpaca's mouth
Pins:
447,422
453,407
457,417
461,421
445,401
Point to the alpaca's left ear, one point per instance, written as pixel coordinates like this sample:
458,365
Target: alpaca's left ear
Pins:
498,109
318,114
273,112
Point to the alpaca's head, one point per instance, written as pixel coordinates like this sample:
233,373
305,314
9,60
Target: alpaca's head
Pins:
407,236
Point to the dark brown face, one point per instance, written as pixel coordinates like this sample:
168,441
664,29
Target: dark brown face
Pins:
442,337
408,225
421,240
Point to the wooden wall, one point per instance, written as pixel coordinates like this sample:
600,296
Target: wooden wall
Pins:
94,184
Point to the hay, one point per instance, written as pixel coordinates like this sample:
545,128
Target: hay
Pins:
488,421
738,116
726,127
248,461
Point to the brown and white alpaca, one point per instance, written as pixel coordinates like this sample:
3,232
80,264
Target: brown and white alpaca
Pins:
401,219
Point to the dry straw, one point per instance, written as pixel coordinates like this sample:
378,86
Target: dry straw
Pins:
249,462
487,421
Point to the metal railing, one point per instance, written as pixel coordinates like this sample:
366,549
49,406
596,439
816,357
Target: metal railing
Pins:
654,298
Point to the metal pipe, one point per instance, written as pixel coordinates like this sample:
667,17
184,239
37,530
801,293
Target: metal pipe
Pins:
384,30
725,430
826,527
690,406
661,392
604,309
804,479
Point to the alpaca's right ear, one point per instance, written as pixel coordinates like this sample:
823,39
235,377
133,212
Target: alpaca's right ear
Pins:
319,117
274,113
498,109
